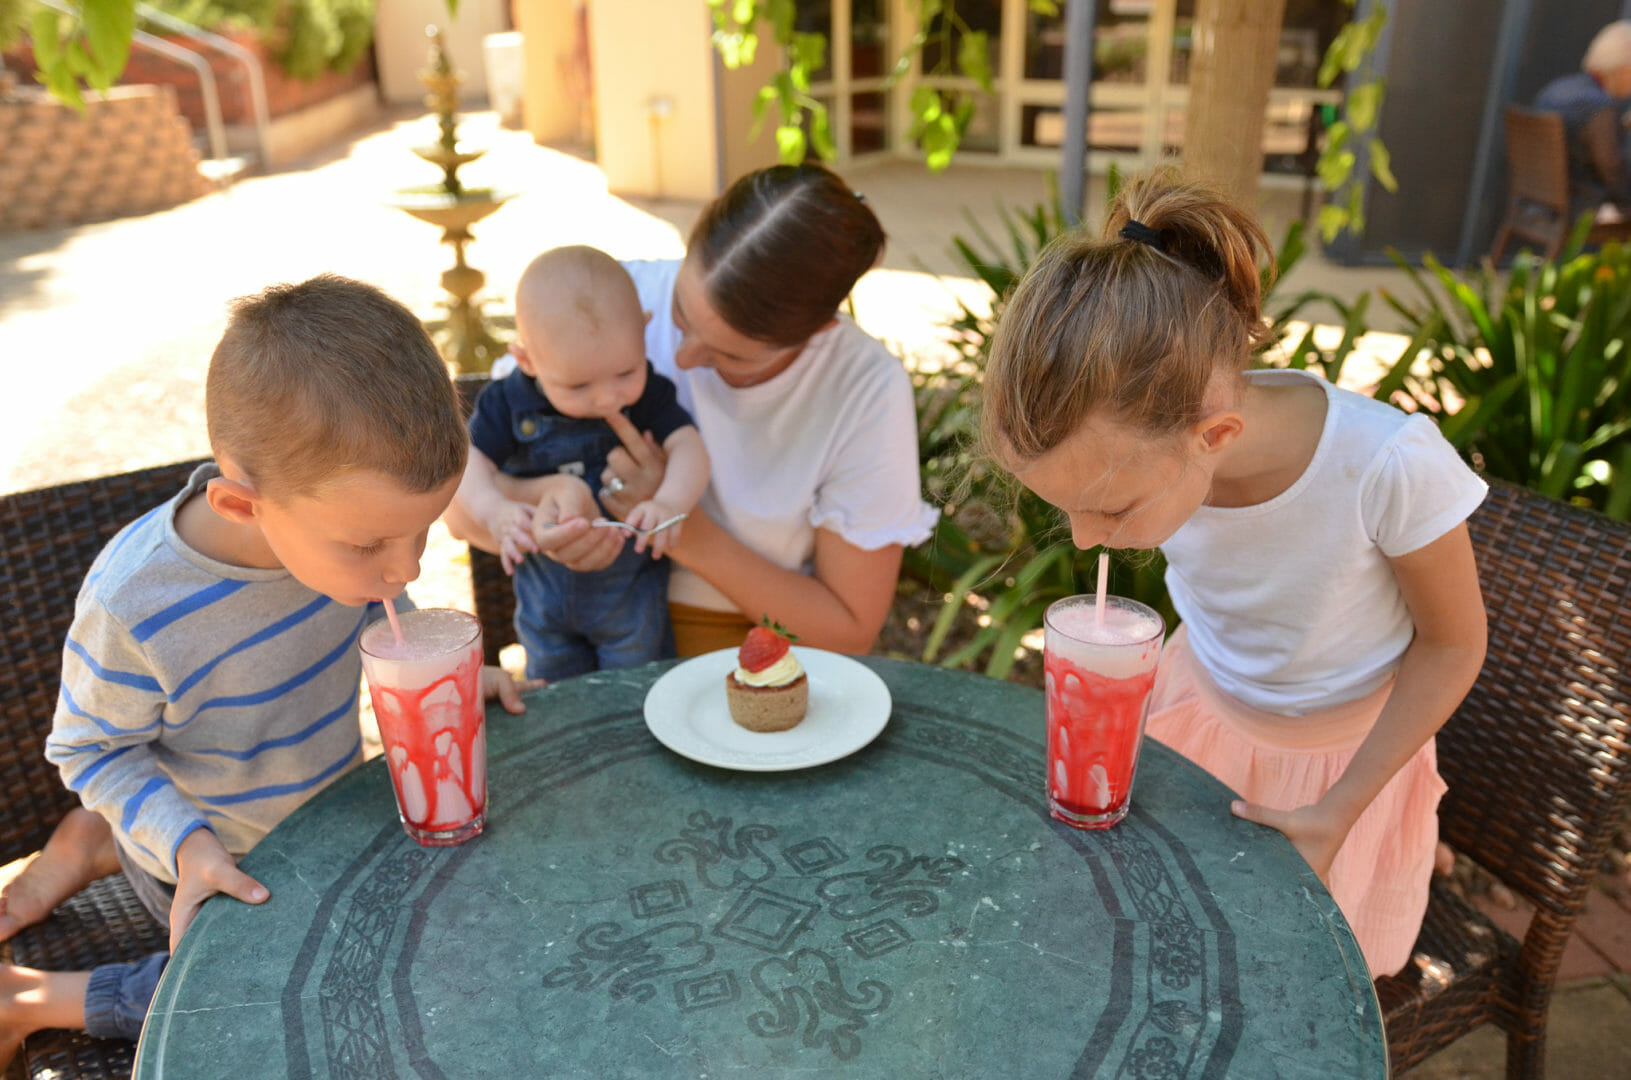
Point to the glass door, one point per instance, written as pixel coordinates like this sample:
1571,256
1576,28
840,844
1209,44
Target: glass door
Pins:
855,83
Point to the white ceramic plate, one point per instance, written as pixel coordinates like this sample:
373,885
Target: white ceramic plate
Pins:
686,711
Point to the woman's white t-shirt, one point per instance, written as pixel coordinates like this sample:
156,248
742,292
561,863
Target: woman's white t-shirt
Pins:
1291,605
830,443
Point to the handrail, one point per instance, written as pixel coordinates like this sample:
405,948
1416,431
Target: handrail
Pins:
252,65
206,77
206,84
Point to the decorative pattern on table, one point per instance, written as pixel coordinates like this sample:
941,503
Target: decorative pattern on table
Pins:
783,890
354,1032
1188,970
794,954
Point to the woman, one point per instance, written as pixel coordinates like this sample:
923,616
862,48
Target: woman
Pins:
808,421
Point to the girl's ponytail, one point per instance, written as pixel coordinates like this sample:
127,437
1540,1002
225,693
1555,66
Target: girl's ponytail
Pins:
1132,326
1199,227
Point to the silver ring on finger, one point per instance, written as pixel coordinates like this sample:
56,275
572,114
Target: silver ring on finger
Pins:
614,485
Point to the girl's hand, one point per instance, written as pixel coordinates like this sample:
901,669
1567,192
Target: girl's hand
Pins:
1312,831
498,683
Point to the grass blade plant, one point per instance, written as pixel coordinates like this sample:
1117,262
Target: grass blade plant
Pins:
1529,378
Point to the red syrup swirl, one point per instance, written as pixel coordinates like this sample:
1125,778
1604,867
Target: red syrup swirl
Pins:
436,747
1094,728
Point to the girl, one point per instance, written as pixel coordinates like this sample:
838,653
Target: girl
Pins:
1316,544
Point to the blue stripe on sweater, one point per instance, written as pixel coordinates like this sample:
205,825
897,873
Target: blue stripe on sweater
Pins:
108,727
121,678
264,634
78,781
274,791
287,740
272,693
133,805
199,600
119,541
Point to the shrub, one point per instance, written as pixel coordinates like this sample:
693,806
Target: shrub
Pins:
1530,380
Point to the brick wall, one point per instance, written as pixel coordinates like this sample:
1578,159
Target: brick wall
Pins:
130,152
284,93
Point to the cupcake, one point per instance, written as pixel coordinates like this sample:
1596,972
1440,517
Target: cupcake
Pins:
768,691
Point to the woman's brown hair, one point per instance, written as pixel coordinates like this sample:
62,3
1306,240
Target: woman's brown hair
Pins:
1129,326
781,249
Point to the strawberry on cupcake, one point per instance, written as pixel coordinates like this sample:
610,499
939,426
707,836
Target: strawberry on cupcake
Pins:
768,691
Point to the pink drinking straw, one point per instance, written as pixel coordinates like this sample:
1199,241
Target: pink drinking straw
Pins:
396,624
1104,580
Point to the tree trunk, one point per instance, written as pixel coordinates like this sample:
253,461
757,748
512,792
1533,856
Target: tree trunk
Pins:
1231,70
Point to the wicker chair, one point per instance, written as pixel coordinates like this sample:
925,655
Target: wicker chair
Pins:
492,589
48,539
1538,202
1538,763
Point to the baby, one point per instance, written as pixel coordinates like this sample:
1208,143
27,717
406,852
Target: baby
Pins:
581,376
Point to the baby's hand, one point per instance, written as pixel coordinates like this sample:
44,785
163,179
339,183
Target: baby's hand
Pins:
500,684
511,528
649,515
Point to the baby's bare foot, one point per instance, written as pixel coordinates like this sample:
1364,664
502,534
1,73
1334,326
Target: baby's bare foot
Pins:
79,852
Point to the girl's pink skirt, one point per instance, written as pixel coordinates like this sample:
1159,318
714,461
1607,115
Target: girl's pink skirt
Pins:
1381,873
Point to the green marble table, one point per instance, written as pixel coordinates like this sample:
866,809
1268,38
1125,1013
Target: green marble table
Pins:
908,911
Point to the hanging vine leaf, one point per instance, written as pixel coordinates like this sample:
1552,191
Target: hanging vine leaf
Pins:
1381,165
1347,54
1364,102
974,58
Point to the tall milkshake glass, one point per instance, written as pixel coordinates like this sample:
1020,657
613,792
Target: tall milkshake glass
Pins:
427,698
1099,674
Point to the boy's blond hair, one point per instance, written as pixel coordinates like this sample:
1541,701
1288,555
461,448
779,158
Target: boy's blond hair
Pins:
316,380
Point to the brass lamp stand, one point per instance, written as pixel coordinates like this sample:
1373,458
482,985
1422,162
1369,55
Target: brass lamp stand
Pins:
463,337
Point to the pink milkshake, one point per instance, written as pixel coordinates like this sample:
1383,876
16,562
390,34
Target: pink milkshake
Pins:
1099,676
427,698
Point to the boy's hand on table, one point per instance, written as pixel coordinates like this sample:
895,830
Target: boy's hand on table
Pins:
560,526
638,466
204,868
500,684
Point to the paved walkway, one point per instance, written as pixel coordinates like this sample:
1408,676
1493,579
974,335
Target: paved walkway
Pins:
106,330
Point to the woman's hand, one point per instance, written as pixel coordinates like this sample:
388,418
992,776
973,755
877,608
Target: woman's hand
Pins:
633,471
561,526
1316,833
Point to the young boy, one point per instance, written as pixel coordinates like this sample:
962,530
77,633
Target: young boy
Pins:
210,679
581,364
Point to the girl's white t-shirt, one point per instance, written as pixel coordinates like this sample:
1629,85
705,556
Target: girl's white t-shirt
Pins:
1291,605
830,443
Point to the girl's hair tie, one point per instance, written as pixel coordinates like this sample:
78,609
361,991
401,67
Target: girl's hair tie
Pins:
1141,233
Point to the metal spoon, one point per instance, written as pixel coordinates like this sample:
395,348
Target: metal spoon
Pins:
632,531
